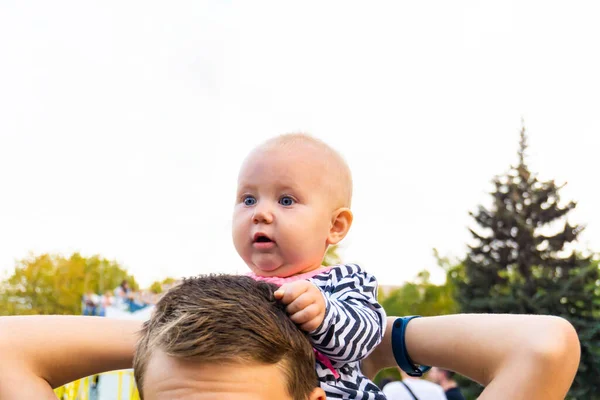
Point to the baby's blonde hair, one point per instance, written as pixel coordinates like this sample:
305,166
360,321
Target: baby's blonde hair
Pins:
336,170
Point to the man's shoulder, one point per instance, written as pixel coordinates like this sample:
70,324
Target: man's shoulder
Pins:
428,388
395,390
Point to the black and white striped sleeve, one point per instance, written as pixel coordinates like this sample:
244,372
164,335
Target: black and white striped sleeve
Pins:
354,321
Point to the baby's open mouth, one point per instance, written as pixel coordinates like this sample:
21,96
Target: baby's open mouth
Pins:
262,238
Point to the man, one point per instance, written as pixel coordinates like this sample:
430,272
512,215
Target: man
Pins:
224,336
411,388
444,378
210,337
512,355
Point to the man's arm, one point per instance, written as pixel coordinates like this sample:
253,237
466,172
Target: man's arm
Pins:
514,356
44,352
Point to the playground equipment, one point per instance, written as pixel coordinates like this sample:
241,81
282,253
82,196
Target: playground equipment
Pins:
113,385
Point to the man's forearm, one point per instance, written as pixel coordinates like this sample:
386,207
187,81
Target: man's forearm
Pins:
515,356
54,350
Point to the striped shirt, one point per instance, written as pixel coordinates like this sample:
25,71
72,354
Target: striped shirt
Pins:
353,326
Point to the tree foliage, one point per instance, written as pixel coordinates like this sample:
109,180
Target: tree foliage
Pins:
332,256
420,297
53,284
522,261
159,286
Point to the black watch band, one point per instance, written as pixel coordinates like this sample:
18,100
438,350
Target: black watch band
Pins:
399,348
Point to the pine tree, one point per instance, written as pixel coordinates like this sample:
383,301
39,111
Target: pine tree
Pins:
523,262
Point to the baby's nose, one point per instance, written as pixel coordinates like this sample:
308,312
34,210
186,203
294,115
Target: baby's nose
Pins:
262,215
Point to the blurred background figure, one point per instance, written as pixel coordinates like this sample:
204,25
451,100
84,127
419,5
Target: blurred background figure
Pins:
106,300
123,296
410,388
91,301
384,382
444,378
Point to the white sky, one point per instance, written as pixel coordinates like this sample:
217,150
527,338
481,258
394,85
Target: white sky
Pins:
123,124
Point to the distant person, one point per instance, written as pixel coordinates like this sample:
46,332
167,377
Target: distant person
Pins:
123,295
137,302
410,388
106,301
444,378
91,301
384,382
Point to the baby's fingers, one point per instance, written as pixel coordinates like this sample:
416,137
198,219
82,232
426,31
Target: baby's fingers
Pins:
290,291
311,325
306,315
300,303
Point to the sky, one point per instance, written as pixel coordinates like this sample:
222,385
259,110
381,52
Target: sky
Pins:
123,124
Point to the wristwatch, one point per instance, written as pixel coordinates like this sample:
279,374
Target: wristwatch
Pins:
399,348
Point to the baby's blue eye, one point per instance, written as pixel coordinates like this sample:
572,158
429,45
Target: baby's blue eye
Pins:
286,201
249,201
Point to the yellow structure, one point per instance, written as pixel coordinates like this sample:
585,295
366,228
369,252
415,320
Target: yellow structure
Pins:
80,390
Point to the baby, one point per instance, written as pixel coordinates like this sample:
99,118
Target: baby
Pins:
293,202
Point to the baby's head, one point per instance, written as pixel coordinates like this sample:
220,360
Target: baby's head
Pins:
293,201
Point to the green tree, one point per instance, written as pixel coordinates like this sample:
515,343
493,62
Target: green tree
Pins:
522,261
332,256
422,297
53,284
158,286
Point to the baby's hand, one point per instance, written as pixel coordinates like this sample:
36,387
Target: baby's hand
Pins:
305,304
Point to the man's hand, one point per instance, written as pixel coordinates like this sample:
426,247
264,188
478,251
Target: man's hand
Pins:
305,304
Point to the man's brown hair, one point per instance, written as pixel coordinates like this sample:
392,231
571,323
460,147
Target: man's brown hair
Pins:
225,319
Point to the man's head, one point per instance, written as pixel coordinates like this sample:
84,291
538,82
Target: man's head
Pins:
223,337
440,375
293,201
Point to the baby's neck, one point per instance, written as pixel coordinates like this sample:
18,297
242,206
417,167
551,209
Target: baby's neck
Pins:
309,270
312,271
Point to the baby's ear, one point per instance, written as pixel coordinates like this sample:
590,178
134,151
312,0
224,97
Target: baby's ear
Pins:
317,394
341,220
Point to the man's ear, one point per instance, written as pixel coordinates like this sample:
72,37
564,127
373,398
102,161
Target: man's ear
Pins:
341,220
317,394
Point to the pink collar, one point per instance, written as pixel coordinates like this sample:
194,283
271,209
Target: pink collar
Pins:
280,281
